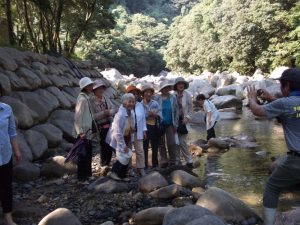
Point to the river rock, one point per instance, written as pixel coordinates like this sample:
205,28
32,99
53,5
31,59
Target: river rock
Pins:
56,167
6,61
182,201
185,179
24,148
184,215
63,101
25,117
226,206
26,171
198,191
291,217
45,81
5,84
226,101
58,81
17,84
227,90
60,216
31,78
229,115
207,220
40,66
151,216
51,132
108,186
200,86
198,117
170,191
37,143
152,182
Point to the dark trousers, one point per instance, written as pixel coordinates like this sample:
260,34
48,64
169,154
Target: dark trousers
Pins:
6,195
154,140
84,164
285,176
120,169
210,132
106,150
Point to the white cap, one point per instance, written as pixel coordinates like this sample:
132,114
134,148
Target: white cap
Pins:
85,81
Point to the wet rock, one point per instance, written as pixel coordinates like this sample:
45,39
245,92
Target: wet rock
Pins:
108,186
26,171
207,220
151,216
170,191
184,215
61,216
225,115
37,143
289,217
51,132
226,206
152,182
185,179
218,143
56,167
24,116
182,201
227,101
198,192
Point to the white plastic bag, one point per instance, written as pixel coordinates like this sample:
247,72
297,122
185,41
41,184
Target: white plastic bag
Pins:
124,157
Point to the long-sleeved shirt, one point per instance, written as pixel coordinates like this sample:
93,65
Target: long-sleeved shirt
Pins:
7,132
115,136
99,106
187,105
154,107
140,120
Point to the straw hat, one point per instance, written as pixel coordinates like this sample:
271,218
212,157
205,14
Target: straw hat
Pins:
146,87
181,80
85,81
98,83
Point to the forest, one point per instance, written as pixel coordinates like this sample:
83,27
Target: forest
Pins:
144,37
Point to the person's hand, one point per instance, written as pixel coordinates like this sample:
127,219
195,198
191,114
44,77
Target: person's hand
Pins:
82,136
126,149
266,96
209,122
145,135
252,93
18,156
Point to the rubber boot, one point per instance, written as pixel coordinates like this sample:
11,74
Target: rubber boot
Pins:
269,216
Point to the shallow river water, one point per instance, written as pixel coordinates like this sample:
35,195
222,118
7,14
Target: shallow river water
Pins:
242,172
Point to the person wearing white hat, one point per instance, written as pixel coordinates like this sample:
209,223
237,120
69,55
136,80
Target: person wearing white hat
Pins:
104,112
121,135
185,105
170,117
83,127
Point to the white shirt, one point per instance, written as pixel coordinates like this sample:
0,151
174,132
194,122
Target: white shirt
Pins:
140,120
210,107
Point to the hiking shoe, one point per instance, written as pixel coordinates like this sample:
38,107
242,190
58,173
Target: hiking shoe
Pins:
113,176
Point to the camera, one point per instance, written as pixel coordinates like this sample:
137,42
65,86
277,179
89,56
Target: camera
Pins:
259,92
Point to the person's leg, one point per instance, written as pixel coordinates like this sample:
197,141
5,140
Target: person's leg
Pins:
172,147
84,164
285,176
184,148
104,151
146,147
88,166
6,193
211,133
163,151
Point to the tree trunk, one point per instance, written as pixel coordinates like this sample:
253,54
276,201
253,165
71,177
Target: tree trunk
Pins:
56,38
10,25
34,43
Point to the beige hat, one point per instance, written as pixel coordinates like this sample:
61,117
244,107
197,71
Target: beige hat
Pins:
164,84
146,87
98,83
85,81
181,80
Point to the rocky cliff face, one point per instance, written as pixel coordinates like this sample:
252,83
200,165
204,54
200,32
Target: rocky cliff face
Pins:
42,92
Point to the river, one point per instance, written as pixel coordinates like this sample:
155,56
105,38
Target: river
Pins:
242,172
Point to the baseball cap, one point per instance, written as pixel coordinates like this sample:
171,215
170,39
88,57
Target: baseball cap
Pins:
292,75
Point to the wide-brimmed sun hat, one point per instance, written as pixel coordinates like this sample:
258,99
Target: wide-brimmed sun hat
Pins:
164,84
181,80
85,81
131,88
98,83
147,87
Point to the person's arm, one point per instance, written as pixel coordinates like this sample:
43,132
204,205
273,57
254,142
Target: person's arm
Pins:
119,132
190,108
16,150
255,108
78,118
176,113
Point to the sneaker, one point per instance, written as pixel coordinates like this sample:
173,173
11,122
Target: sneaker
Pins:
113,176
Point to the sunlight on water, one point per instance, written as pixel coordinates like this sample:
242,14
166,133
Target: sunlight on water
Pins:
241,172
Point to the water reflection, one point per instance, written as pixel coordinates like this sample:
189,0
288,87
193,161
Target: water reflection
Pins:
240,171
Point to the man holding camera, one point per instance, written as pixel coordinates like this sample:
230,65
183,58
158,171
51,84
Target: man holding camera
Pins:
287,110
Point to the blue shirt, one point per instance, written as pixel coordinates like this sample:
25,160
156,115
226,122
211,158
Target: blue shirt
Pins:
7,132
167,111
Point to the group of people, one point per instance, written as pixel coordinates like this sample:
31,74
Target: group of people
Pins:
142,119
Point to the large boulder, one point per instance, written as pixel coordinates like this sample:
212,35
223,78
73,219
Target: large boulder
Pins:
186,214
60,216
26,171
37,143
108,186
277,72
198,117
25,117
40,66
200,86
63,101
152,182
227,101
51,132
226,206
152,216
6,61
218,143
291,217
56,167
185,179
5,84
17,84
31,78
25,150
207,220
170,191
